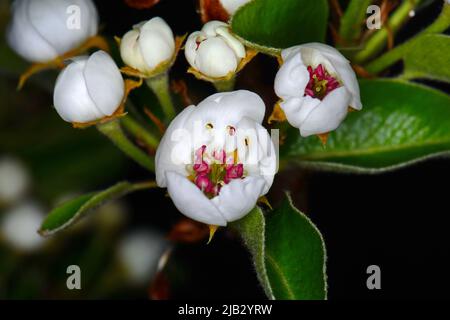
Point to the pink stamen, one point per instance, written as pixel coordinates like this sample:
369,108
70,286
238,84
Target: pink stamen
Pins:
234,172
321,83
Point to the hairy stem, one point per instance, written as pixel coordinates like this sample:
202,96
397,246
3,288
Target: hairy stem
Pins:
378,41
441,24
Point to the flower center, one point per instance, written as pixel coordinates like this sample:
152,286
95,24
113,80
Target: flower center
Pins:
213,170
320,82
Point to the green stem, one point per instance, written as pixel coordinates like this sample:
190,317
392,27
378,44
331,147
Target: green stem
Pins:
160,86
378,41
136,129
225,85
441,24
114,132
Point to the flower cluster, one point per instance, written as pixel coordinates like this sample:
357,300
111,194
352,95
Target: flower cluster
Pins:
208,179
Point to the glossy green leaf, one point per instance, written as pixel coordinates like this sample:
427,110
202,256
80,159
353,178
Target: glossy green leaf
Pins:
72,210
429,58
269,25
288,252
400,123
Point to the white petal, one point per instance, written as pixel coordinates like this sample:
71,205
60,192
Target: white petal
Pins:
51,19
264,162
104,82
239,197
191,201
210,27
231,6
23,37
234,43
298,109
348,77
164,158
190,48
292,78
71,98
328,51
328,115
215,58
231,107
155,47
159,26
131,52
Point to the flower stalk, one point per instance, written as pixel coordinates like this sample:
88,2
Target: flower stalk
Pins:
137,130
160,86
225,85
114,132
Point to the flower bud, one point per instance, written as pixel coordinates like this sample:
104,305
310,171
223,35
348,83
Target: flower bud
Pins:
42,30
148,46
89,89
213,51
317,86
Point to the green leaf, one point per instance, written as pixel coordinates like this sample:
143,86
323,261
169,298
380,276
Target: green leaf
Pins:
288,252
252,230
401,123
352,20
428,58
72,210
268,25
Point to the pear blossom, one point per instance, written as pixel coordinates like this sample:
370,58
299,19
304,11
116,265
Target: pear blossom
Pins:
231,6
141,252
42,30
215,159
89,89
317,85
214,51
20,224
148,45
14,180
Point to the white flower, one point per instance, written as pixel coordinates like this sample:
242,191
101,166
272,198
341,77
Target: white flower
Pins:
42,30
89,89
148,45
140,253
231,6
19,227
213,51
317,85
216,159
14,180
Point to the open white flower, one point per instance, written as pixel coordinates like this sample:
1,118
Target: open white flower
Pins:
149,45
216,159
89,89
317,85
231,6
42,30
14,180
19,226
213,51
